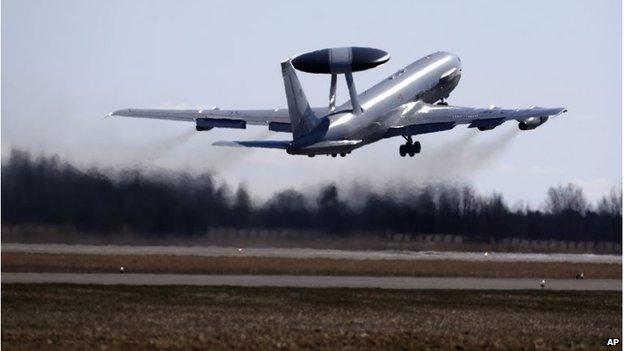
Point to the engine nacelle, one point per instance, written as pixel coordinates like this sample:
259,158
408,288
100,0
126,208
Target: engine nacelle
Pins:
532,123
202,124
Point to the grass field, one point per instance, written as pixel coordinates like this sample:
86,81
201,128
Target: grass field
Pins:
227,318
298,238
83,263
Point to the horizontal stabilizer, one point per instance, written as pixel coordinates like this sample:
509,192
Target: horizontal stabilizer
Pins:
266,144
333,143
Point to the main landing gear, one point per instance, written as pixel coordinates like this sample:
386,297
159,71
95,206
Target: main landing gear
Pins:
410,148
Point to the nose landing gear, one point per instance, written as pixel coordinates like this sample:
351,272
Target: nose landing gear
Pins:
410,148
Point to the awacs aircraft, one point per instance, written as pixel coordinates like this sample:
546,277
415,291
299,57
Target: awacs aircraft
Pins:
408,103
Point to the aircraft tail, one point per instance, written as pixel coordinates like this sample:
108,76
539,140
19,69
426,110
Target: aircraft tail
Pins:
302,119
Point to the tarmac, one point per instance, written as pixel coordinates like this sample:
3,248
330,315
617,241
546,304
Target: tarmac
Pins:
215,251
313,281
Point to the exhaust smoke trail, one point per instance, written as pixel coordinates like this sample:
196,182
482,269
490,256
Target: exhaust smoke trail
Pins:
221,159
452,163
462,157
153,151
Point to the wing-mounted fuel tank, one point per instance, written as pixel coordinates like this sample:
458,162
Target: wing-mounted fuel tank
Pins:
345,60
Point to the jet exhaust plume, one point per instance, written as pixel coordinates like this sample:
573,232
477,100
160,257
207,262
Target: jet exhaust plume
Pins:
153,151
221,159
462,157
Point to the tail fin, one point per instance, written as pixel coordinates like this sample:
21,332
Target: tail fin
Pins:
302,119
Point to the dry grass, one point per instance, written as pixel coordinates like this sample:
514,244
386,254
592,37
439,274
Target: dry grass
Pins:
86,317
361,240
82,263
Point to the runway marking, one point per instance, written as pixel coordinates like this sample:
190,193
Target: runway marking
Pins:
313,281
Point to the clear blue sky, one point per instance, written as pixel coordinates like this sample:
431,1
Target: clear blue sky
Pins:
65,64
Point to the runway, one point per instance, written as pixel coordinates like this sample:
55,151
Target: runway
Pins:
215,251
313,281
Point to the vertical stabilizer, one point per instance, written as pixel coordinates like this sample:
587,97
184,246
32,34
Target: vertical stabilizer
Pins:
302,118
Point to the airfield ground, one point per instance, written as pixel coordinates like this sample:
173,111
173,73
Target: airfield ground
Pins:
121,317
87,263
57,316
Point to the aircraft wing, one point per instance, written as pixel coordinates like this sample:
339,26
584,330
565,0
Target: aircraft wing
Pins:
420,118
277,119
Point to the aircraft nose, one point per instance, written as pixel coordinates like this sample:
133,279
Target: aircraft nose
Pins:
453,60
456,61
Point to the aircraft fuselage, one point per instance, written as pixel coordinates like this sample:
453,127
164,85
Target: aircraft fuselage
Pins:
429,79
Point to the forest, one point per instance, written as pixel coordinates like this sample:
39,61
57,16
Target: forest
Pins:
44,190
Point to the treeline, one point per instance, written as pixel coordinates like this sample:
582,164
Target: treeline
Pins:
44,190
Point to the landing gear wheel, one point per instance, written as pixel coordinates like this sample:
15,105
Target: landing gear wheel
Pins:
417,147
409,148
333,155
343,154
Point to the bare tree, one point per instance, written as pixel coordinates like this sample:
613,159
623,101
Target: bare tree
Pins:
612,203
242,208
566,198
469,200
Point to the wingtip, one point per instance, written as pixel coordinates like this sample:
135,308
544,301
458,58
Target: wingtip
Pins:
121,112
226,143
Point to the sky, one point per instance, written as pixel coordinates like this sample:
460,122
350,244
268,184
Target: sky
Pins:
66,64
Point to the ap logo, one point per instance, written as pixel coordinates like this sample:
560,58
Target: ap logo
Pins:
613,342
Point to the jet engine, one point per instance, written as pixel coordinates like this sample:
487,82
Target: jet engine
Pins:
532,123
202,124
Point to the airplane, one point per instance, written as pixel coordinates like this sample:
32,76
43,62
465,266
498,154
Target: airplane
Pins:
410,102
